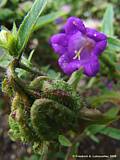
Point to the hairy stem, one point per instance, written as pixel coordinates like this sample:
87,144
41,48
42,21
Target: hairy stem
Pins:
17,83
33,71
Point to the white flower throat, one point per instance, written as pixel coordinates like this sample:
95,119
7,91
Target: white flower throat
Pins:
78,53
89,45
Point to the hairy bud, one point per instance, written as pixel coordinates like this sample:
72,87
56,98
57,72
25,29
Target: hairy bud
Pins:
51,108
8,41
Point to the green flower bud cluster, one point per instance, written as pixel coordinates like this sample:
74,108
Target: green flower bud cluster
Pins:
44,109
8,41
40,120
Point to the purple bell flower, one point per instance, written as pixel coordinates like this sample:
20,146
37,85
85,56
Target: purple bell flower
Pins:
79,47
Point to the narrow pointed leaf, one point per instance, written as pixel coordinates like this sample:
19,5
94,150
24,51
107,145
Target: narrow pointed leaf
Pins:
3,3
111,132
112,112
43,20
29,22
14,29
64,141
107,26
112,97
94,129
5,14
113,44
75,78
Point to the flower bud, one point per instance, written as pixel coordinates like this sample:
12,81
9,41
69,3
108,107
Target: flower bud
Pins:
3,36
8,42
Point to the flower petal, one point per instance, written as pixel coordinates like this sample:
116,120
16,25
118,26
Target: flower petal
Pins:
100,47
92,68
60,50
60,39
59,43
94,34
73,25
68,66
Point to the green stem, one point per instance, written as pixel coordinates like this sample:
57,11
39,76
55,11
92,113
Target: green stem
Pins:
19,56
17,83
79,138
33,71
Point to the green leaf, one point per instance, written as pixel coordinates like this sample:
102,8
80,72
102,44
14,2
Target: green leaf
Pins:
14,29
25,61
107,25
5,13
53,74
108,131
94,129
91,130
64,141
112,112
29,22
110,96
106,59
113,44
5,60
44,20
15,2
75,78
3,3
94,138
25,6
91,82
31,55
111,132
